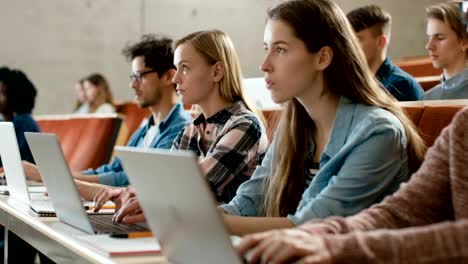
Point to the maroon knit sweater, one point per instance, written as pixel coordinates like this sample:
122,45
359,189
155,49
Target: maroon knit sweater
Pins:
425,221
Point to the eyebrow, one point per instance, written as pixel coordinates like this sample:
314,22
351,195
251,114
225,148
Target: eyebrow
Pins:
436,35
277,42
182,61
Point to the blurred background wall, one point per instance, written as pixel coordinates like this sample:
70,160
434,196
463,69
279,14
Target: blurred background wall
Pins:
56,42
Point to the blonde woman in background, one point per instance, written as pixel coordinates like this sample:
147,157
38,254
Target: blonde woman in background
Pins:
98,94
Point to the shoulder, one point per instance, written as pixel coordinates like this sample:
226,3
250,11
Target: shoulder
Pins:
460,121
25,122
105,108
433,92
371,119
402,78
246,121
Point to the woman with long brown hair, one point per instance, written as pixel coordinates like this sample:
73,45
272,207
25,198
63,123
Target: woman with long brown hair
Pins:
342,143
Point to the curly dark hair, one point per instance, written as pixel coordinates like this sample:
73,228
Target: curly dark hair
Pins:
20,92
157,51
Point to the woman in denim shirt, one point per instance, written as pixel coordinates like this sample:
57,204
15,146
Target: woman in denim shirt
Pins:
342,143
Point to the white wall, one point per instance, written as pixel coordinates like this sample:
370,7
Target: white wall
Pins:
58,41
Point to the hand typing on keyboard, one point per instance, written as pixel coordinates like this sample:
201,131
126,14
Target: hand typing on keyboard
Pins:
284,246
127,207
130,212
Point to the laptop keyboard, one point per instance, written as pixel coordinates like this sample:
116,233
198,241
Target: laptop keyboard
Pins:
103,224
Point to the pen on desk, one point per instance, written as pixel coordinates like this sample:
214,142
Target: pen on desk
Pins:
90,207
132,235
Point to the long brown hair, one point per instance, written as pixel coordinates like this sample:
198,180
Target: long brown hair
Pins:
320,23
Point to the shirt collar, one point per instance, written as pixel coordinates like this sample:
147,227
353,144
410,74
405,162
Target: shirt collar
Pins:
384,69
455,81
222,116
168,119
341,124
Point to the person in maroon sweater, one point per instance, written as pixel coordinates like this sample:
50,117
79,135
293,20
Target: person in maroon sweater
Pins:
426,221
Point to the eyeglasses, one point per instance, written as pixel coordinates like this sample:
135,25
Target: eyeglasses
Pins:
138,75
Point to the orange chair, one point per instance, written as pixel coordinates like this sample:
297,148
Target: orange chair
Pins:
429,117
434,119
272,118
418,66
87,140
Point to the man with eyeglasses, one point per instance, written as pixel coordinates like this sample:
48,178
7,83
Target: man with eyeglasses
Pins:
151,80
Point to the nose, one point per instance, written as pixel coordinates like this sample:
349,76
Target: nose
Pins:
176,78
430,44
133,83
266,64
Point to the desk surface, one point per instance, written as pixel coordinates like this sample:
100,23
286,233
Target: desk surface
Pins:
55,239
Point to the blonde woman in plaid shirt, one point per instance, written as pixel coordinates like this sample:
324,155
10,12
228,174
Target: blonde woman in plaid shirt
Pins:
227,134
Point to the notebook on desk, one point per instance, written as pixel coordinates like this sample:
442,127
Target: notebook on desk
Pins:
14,173
178,204
63,192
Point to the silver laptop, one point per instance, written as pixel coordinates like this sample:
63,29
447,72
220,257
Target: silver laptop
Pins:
14,173
179,206
62,189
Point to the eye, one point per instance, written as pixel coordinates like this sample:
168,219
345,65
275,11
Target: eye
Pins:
265,48
280,50
184,68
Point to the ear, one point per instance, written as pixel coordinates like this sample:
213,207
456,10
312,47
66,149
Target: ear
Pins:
382,41
167,76
325,57
464,46
218,71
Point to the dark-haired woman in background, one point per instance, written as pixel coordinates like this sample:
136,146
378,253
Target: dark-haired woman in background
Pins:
17,98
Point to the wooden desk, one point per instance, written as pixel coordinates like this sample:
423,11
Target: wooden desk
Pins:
55,239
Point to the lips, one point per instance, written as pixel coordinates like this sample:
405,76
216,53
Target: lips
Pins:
268,83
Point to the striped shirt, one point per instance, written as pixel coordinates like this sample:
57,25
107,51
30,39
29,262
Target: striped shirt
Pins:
230,144
312,169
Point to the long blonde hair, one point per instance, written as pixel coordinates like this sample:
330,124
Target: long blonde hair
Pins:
102,85
215,46
320,23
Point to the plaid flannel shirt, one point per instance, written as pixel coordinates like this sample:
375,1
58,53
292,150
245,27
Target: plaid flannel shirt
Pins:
230,144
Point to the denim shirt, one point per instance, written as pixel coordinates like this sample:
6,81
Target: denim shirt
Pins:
399,83
364,160
113,174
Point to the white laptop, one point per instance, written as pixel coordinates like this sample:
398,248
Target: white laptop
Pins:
178,204
14,173
62,189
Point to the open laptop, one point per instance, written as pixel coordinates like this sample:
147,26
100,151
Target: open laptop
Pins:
62,189
14,173
178,205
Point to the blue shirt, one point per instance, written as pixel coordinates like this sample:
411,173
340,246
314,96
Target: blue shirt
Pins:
113,174
399,83
364,160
